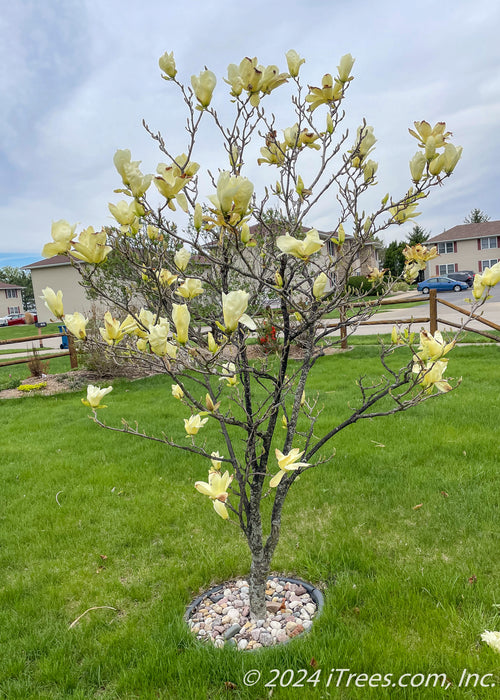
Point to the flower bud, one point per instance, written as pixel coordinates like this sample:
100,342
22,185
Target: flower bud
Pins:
294,61
167,65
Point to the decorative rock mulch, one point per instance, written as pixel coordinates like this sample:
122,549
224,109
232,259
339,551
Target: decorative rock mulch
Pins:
223,616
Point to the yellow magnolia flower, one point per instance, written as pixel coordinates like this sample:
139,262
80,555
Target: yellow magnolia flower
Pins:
294,61
209,403
142,344
488,278
403,212
253,78
146,319
124,212
181,318
198,216
365,141
61,233
95,395
193,424
433,347
234,306
271,79
228,372
129,325
165,277
216,489
424,133
182,258
177,391
376,275
329,91
319,285
203,87
272,154
129,171
451,156
431,375
417,165
307,138
91,246
491,275
370,167
420,254
53,301
216,463
112,332
233,195
190,288
158,340
344,68
287,463
76,324
171,179
300,249
153,232
212,345
492,639
167,65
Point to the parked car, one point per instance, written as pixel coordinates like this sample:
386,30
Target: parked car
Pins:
462,277
15,319
442,284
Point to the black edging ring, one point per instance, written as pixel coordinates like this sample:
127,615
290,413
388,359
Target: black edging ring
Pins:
315,593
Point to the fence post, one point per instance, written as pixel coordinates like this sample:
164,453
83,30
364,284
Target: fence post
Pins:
73,357
40,337
343,329
433,322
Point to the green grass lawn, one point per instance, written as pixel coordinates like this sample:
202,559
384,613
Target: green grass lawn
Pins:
24,331
406,590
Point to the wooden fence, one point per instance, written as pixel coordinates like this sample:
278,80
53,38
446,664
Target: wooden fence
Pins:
432,319
71,352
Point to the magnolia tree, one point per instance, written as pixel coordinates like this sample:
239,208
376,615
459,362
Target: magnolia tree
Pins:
189,298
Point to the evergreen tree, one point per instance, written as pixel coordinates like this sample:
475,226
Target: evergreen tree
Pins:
394,259
418,235
476,217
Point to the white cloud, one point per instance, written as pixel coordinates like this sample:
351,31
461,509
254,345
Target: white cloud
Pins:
80,76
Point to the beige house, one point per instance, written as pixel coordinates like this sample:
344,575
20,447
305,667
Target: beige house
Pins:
58,273
465,247
11,300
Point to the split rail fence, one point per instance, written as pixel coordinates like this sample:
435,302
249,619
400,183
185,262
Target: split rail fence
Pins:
71,352
432,319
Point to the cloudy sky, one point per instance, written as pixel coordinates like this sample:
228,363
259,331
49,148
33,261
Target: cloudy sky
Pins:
79,75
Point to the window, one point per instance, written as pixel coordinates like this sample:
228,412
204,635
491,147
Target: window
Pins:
11,293
446,247
14,310
490,242
445,269
488,263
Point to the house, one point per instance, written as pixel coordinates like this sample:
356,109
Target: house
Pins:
465,247
11,301
57,272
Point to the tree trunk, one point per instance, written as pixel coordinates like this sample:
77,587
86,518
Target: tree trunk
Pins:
259,572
